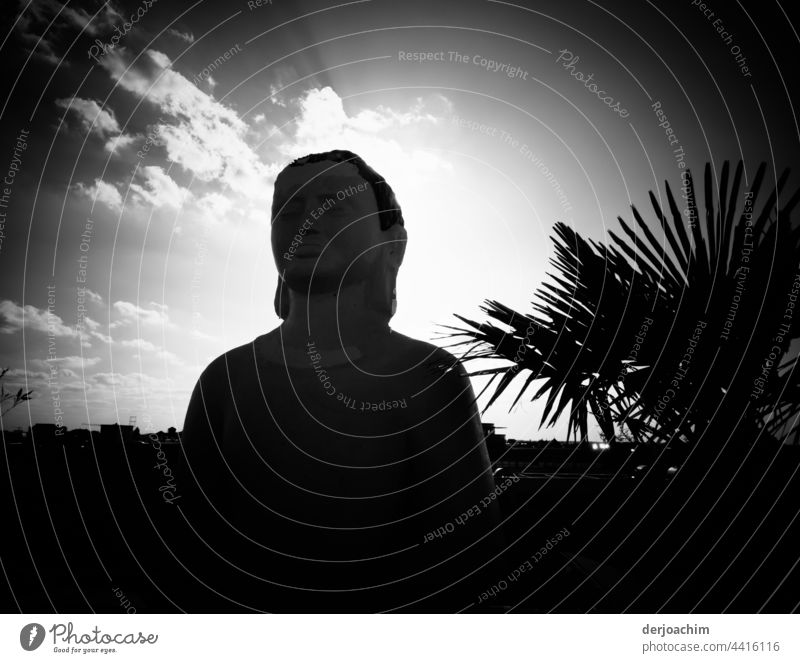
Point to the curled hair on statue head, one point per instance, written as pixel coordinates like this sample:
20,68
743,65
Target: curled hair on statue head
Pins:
389,212
381,290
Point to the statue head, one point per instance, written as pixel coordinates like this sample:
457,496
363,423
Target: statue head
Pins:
336,222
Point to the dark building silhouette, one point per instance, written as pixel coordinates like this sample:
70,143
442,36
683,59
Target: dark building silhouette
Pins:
46,433
117,432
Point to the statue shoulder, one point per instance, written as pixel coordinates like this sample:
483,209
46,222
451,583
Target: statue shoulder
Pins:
229,363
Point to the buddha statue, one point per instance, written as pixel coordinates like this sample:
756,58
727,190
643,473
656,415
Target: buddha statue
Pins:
333,461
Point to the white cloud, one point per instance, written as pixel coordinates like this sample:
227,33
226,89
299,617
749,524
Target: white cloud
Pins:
46,23
139,344
276,97
14,317
171,92
102,192
210,142
206,138
202,336
91,115
129,385
324,124
24,376
153,186
188,37
80,18
161,307
322,115
378,135
373,120
121,142
158,188
129,312
94,297
102,337
91,324
191,154
72,362
215,206
108,379
142,346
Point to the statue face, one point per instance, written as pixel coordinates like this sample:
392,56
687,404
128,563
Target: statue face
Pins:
326,224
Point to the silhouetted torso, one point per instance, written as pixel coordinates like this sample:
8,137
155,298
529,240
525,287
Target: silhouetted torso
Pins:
323,451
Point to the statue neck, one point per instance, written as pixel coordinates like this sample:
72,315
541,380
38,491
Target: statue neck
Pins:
333,319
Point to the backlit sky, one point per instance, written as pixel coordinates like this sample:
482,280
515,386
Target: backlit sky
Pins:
148,169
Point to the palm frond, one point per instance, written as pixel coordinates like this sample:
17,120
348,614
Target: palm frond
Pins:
714,292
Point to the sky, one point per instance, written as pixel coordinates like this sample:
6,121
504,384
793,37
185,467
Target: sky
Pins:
141,140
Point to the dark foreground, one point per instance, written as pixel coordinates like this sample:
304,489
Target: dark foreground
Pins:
86,529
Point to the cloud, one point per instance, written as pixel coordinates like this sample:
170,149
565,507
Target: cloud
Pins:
108,379
127,386
161,307
153,186
202,336
21,376
283,77
94,297
45,24
102,337
378,135
92,326
14,317
188,37
121,141
99,120
129,312
208,141
92,116
80,18
142,346
323,119
322,114
139,344
73,362
373,120
158,189
102,192
275,97
205,137
215,205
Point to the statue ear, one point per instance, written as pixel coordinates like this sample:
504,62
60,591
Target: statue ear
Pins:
380,294
281,302
395,253
397,249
